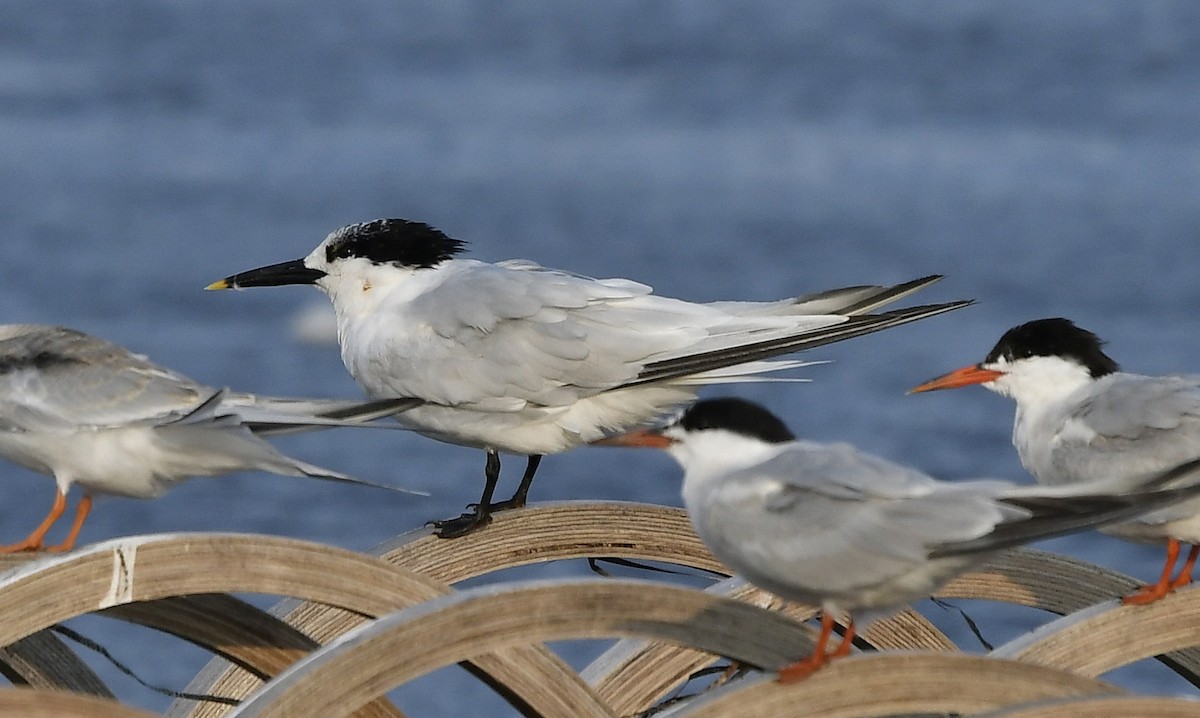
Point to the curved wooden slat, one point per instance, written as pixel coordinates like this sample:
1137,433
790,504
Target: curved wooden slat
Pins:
221,677
1116,707
1059,584
894,684
585,529
548,532
49,590
633,675
393,649
231,628
34,703
1040,579
637,531
41,660
552,532
258,643
142,568
1109,635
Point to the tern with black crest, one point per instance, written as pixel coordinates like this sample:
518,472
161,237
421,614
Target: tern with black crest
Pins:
831,526
517,358
89,412
1080,419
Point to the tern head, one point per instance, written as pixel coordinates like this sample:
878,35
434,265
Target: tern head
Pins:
357,251
1039,358
722,431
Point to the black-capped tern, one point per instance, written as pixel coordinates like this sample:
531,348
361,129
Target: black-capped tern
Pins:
1079,418
518,358
831,526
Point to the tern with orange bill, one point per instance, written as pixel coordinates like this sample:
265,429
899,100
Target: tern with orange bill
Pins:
831,526
1080,419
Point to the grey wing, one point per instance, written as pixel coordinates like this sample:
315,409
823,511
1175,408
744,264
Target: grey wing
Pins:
844,300
887,507
58,379
503,336
525,334
833,507
753,353
270,415
1127,427
868,300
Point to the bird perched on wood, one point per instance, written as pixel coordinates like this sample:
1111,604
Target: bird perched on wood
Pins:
1080,419
831,526
518,358
89,412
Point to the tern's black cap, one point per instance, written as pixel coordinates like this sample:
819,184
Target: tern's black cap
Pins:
1055,337
393,241
736,415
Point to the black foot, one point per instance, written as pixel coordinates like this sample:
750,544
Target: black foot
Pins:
513,503
463,525
516,502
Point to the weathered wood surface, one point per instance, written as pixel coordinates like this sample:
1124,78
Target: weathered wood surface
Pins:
352,626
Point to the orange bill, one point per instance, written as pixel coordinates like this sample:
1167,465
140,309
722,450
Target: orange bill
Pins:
965,376
652,438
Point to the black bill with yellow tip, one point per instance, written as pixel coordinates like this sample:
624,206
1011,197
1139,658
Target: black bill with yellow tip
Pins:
274,275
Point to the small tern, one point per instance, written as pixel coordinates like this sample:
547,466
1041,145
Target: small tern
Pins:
518,358
1080,418
86,411
828,525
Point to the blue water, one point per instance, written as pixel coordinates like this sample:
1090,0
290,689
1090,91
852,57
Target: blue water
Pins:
1045,157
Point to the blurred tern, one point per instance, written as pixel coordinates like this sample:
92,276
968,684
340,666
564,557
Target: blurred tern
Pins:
514,357
828,525
1081,419
89,412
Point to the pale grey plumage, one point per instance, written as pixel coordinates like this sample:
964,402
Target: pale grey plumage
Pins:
829,525
1081,420
1119,429
90,412
519,358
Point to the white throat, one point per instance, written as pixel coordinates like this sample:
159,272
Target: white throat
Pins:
707,456
1042,388
1037,381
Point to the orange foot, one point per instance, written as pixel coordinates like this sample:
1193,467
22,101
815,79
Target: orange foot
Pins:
36,540
807,666
1149,593
1157,590
1185,574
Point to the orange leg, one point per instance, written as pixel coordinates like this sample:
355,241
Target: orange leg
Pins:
1185,574
81,514
843,648
36,540
1152,592
820,656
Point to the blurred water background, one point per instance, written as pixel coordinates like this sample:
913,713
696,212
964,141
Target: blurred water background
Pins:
1045,157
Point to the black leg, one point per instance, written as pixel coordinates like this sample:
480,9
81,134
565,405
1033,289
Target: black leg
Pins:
518,499
481,513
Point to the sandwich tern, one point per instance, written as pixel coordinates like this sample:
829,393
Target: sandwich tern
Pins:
518,358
